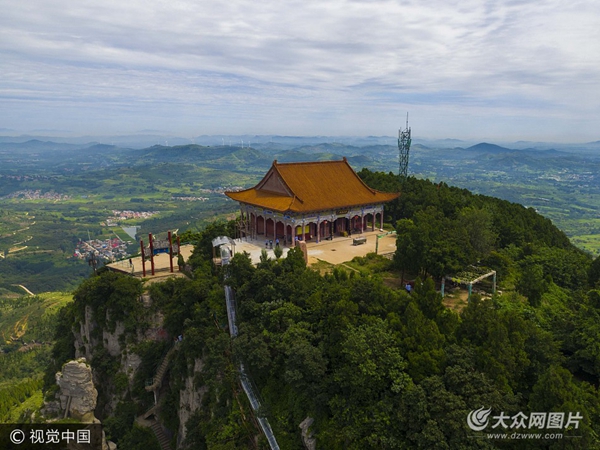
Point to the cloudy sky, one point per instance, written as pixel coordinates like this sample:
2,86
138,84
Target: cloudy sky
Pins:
496,69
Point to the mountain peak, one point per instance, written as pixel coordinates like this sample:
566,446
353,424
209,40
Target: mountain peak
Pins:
488,148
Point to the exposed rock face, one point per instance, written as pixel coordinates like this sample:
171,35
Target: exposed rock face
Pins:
77,395
130,362
75,382
83,339
120,345
111,340
190,399
51,408
308,436
155,331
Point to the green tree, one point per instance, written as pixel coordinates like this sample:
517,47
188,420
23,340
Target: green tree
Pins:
556,390
532,283
594,273
369,377
476,225
139,438
407,255
203,248
305,364
240,269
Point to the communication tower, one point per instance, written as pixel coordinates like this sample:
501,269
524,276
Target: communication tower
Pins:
404,149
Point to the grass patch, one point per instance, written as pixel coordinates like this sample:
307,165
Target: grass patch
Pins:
322,267
30,318
456,300
588,242
21,412
372,263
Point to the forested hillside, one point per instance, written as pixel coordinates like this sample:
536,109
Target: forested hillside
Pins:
443,229
27,327
379,368
374,366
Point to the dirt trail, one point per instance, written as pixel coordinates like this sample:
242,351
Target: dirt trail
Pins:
24,288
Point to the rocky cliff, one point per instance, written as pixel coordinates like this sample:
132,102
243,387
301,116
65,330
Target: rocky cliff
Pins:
125,332
190,399
77,392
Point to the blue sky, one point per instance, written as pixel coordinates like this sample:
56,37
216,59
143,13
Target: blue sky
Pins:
489,70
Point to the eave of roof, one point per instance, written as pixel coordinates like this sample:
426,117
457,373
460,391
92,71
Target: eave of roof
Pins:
309,182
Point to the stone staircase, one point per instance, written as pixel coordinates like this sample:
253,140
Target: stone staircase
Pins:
149,413
160,435
148,419
162,369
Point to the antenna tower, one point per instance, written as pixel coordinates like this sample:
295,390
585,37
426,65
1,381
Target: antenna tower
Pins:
404,149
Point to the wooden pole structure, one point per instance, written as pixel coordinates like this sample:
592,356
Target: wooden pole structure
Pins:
143,258
171,251
178,252
151,252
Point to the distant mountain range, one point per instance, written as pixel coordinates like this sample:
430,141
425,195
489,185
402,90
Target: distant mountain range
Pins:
424,159
270,143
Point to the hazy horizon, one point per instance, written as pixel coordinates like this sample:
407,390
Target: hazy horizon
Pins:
148,139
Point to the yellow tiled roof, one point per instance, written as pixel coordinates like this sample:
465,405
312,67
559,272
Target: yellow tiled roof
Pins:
311,186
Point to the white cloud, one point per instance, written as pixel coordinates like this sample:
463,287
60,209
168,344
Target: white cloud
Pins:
299,61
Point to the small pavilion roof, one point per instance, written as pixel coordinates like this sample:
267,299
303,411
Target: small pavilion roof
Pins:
311,186
220,240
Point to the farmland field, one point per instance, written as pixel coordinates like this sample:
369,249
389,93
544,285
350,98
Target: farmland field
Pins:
53,202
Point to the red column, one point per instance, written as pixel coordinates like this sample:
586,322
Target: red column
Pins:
151,252
171,252
178,249
143,258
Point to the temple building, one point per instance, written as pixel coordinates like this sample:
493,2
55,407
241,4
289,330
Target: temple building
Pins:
309,201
